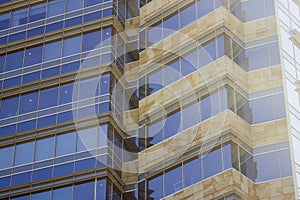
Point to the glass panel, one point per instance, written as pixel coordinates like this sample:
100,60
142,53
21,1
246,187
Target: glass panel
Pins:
263,165
274,54
104,84
52,50
14,60
91,40
73,5
154,82
257,57
55,8
262,109
6,155
9,107
192,172
190,115
212,163
171,25
48,98
204,7
19,17
106,36
189,63
42,174
65,144
91,2
87,139
72,46
155,133
41,196
62,193
4,21
28,102
172,124
187,15
37,12
173,180
101,189
44,149
84,191
247,167
24,153
154,34
33,55
254,9
171,72
66,93
285,161
155,188
279,106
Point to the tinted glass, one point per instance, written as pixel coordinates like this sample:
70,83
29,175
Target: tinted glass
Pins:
37,12
187,15
262,109
14,60
266,162
65,93
87,139
33,55
172,125
91,41
55,7
24,153
9,107
258,57
52,50
73,5
19,17
204,7
65,144
44,149
212,163
41,196
72,46
48,98
171,72
62,193
155,188
84,191
192,172
171,25
6,155
173,180
4,21
28,102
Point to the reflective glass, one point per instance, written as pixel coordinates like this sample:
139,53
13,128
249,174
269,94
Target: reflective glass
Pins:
52,50
106,36
46,121
20,179
66,93
19,17
91,40
33,55
64,169
266,162
190,115
37,12
84,191
26,126
62,193
192,172
101,189
7,130
28,102
87,139
34,76
274,54
65,144
9,107
171,72
187,15
48,98
4,21
24,153
204,7
189,63
254,9
257,57
154,82
2,61
73,5
91,2
14,60
72,46
173,180
279,106
44,149
154,34
172,124
262,109
41,196
285,161
6,155
212,163
104,84
171,24
42,174
155,188
55,8
27,197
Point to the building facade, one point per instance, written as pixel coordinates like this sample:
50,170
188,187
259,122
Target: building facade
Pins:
149,99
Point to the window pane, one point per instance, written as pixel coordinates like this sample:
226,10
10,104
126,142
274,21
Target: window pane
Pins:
72,46
105,84
173,180
91,2
73,5
66,93
212,163
28,102
37,12
257,58
101,189
171,25
52,50
155,133
6,155
91,41
41,196
33,55
266,162
192,172
4,21
154,81
14,60
187,15
62,193
155,188
190,115
279,106
254,9
274,54
285,161
171,72
172,124
87,139
19,17
24,153
55,7
189,63
44,149
84,191
204,7
9,107
154,34
65,144
106,36
48,98
262,109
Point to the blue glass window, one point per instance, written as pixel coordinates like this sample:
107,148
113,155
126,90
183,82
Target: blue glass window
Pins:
9,107
42,174
64,169
279,106
37,12
66,93
20,179
48,98
54,27
54,71
24,153
92,16
12,82
35,31
73,21
62,193
14,60
7,130
172,124
34,76
262,109
154,82
4,21
192,172
266,162
285,161
73,5
106,36
44,149
91,40
87,139
17,36
19,17
155,133
88,88
101,189
28,102
84,191
72,46
86,164
55,8
154,34
155,188
258,57
65,144
171,25
91,2
171,72
212,163
27,197
41,196
204,7
52,50
70,67
2,60
187,15
46,121
26,126
105,84
5,182
173,180
189,63
33,55
6,155
190,115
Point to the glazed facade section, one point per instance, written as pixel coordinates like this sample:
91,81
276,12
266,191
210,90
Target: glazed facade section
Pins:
98,102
